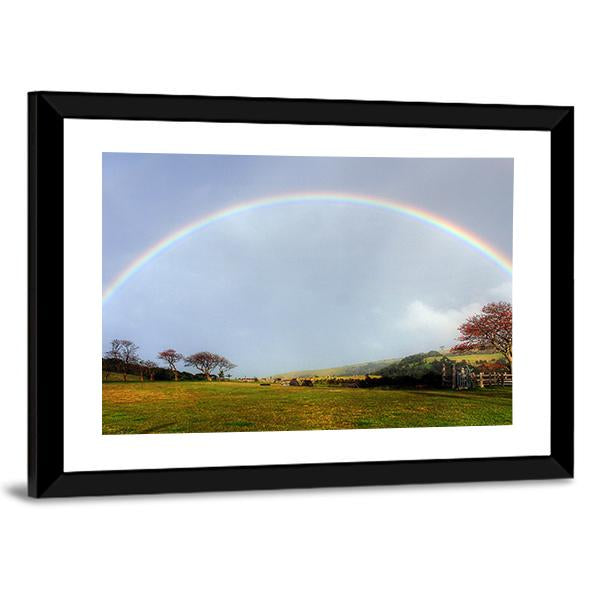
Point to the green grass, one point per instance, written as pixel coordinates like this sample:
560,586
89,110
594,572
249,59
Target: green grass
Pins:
187,407
112,376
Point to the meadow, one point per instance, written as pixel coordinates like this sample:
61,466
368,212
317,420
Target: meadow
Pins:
199,406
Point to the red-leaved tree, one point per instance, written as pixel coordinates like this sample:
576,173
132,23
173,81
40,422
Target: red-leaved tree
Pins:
492,328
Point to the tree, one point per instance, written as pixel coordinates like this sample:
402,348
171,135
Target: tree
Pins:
124,354
113,356
225,366
207,362
492,328
171,357
149,367
141,369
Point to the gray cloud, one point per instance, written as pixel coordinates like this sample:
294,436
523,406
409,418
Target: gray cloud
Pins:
302,286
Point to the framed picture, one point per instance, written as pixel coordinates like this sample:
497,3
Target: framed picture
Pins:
254,293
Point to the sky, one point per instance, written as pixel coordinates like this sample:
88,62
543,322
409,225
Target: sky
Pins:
307,285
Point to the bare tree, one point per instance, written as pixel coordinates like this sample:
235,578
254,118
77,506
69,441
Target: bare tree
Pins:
141,369
205,362
225,365
171,357
114,354
129,356
124,354
149,368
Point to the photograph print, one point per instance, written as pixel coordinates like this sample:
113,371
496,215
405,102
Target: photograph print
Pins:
287,293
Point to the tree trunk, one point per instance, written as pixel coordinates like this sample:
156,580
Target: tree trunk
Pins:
175,374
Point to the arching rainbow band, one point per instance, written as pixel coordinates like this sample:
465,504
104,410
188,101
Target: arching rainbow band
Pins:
405,209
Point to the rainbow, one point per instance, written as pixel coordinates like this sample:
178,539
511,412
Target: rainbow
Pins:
419,214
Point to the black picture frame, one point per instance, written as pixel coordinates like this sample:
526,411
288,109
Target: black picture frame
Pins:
47,112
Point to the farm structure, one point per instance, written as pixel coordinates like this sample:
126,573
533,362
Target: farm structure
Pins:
463,378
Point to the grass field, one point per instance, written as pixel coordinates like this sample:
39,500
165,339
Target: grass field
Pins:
188,407
108,376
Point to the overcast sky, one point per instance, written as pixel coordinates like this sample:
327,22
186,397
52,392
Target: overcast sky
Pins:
300,286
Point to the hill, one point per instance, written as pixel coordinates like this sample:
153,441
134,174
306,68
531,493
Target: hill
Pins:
390,366
472,358
366,368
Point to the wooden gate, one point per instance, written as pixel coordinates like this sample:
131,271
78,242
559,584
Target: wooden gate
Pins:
465,378
461,378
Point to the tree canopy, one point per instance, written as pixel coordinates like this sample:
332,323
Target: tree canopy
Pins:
492,328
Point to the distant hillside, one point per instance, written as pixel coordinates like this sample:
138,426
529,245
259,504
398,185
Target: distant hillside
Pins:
391,366
430,363
472,357
413,365
366,368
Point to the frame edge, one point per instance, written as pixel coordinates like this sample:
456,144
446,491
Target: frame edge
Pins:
46,476
562,288
45,294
